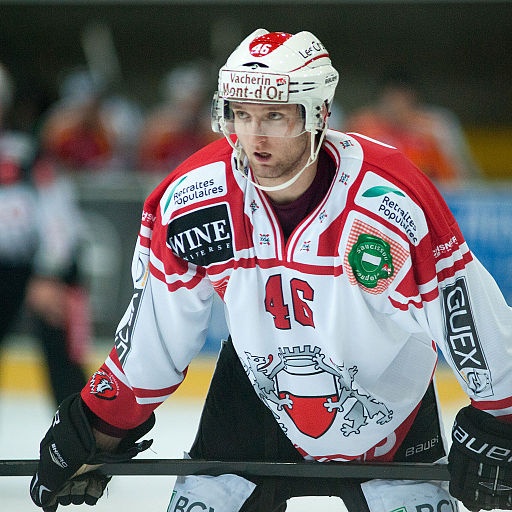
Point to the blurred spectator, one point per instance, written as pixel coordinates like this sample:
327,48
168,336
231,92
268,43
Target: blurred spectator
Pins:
181,124
90,128
430,136
39,226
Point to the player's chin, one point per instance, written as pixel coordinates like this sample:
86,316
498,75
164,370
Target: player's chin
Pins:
264,169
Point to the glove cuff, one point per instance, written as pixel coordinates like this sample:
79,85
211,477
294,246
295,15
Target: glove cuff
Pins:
128,447
71,426
136,433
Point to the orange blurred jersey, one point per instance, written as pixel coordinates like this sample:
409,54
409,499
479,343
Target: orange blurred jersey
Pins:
417,141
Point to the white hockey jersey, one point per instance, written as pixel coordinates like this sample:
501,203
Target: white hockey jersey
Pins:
337,328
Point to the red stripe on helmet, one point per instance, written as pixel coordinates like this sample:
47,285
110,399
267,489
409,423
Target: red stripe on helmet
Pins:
310,60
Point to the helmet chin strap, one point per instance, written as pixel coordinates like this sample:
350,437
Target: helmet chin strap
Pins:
243,163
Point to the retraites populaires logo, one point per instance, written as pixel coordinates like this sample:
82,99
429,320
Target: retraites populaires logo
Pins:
203,236
191,191
392,210
197,185
371,260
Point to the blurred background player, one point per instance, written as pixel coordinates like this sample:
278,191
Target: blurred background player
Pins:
38,246
90,130
430,136
180,125
17,214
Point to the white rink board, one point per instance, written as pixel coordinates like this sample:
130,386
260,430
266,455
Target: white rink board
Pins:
25,418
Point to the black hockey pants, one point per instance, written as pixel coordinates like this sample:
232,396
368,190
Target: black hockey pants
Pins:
236,425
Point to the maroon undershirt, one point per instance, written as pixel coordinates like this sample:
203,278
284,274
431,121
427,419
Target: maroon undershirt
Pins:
291,214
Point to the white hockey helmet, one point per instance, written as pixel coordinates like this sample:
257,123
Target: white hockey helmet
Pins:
277,68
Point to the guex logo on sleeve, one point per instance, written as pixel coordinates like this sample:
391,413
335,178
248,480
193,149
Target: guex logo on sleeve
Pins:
384,199
463,341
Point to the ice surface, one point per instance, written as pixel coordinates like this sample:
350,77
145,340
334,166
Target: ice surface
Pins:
24,419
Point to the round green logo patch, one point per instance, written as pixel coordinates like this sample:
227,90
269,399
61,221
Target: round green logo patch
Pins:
370,259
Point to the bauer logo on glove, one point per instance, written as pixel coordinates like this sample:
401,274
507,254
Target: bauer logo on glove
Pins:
495,453
479,461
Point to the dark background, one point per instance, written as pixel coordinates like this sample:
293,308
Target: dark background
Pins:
460,52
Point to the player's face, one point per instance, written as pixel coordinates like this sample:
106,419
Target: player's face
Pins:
273,138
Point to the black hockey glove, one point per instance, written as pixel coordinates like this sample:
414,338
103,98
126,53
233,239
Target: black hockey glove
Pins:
70,443
86,488
480,461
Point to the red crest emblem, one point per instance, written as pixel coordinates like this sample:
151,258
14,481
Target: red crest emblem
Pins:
311,391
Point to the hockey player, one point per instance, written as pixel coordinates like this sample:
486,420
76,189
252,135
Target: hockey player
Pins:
342,271
39,237
179,125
